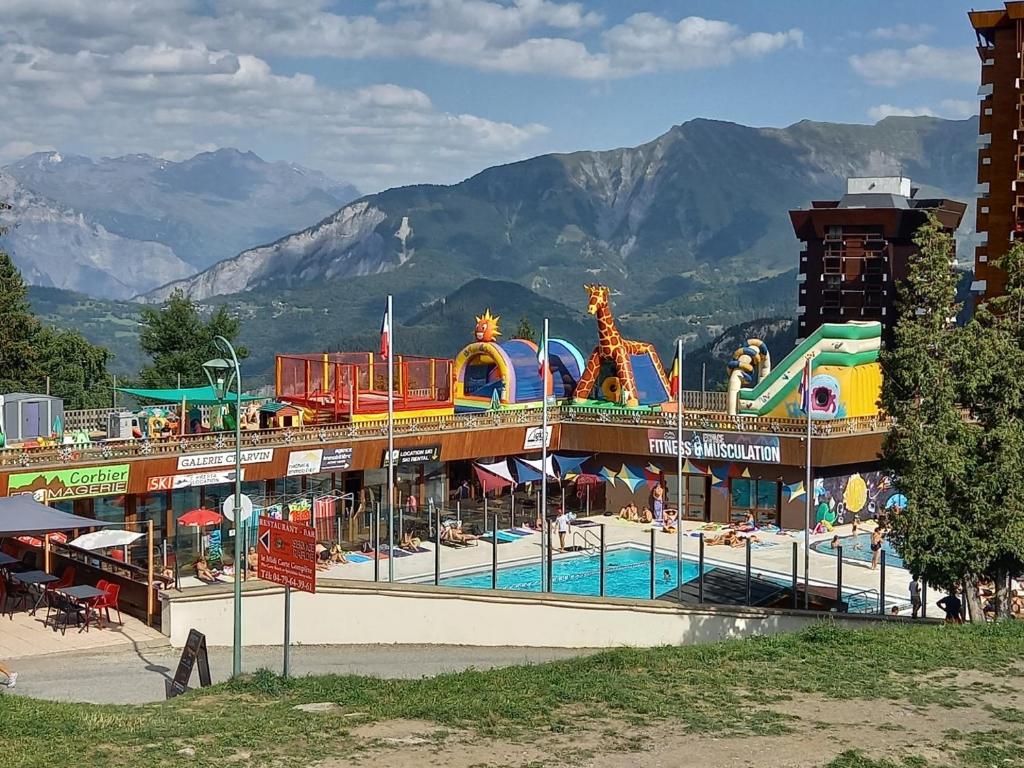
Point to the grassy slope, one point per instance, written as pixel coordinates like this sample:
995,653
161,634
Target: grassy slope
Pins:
721,688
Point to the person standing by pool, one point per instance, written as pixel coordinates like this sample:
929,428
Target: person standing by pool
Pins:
854,530
876,547
953,607
562,523
658,497
915,596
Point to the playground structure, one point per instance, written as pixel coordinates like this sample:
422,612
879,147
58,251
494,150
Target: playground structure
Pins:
621,370
505,375
846,379
352,386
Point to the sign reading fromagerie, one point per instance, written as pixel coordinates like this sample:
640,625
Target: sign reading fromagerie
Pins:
225,459
761,449
79,483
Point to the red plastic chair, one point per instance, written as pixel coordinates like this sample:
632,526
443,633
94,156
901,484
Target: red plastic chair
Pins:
67,579
108,601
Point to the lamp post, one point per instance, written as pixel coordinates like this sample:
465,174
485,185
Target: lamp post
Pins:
221,373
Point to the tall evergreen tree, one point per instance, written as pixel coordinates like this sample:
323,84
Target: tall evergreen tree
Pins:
525,330
179,341
931,449
18,329
993,392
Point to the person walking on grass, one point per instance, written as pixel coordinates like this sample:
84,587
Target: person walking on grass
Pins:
953,607
10,678
915,596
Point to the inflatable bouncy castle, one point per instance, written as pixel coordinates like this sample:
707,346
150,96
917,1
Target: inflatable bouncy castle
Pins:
500,375
846,379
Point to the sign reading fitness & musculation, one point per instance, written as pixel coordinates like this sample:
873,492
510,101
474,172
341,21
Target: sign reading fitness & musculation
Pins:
761,449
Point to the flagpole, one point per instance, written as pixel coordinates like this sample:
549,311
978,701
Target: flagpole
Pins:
545,533
391,445
679,470
808,482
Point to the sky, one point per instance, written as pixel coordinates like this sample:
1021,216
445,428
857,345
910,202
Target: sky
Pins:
388,92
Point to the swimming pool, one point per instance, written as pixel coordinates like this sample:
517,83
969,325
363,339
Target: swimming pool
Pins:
859,548
627,574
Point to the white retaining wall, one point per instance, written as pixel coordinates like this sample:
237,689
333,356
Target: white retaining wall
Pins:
358,613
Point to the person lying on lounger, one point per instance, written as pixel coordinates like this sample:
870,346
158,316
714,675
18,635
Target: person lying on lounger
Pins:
452,531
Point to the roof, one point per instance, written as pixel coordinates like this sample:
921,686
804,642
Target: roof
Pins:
276,407
194,395
27,396
873,200
22,515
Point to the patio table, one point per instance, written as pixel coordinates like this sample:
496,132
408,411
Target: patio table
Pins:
84,596
37,579
6,560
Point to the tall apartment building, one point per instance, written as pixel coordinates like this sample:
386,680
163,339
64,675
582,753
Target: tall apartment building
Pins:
857,247
1000,141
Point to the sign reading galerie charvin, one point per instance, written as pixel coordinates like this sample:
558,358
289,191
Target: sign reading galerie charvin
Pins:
72,483
224,459
416,455
763,449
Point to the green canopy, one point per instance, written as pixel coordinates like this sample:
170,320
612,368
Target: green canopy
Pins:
194,395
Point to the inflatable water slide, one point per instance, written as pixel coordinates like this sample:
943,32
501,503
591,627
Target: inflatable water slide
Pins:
846,379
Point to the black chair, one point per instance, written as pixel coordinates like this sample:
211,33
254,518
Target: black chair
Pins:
63,610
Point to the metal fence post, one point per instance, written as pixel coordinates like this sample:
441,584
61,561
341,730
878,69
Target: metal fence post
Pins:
700,570
494,552
881,585
601,581
376,543
839,578
654,575
796,567
437,547
750,547
551,553
924,599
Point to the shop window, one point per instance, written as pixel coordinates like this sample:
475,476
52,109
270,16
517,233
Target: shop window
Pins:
758,496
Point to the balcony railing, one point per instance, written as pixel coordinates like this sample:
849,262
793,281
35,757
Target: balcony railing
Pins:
701,411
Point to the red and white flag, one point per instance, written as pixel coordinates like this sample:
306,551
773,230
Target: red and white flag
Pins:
542,362
385,334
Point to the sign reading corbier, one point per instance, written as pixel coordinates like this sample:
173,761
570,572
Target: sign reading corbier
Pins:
79,483
761,449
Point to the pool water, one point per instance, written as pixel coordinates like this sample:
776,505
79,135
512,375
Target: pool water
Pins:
627,574
859,548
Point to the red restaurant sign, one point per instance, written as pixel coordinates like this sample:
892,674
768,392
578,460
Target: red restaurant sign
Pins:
287,554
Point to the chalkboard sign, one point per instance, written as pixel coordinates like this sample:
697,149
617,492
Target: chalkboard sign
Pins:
194,650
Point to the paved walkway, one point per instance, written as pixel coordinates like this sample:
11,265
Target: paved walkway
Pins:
23,636
139,675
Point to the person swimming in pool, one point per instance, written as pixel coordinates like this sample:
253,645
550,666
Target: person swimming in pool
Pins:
666,575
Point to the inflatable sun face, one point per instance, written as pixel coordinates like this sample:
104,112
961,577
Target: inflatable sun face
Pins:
487,327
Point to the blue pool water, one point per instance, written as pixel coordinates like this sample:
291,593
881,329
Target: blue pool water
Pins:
859,548
627,574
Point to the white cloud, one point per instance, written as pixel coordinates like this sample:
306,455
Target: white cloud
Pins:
882,111
891,66
950,108
910,33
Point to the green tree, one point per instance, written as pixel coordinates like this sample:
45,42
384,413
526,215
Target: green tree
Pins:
179,341
993,392
18,329
525,330
931,449
76,369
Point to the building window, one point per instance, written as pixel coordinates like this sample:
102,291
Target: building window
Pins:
694,506
833,265
758,496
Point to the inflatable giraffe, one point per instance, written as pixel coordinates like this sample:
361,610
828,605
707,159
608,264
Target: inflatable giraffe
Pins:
611,346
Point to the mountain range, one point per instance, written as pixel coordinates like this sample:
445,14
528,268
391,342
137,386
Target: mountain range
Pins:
120,226
702,205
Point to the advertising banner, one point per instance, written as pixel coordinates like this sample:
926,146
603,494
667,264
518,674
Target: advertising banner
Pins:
416,455
536,438
173,482
726,446
78,483
287,554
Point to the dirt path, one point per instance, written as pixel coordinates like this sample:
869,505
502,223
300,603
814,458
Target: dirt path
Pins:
821,729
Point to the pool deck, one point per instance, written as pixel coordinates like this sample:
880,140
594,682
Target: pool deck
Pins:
774,560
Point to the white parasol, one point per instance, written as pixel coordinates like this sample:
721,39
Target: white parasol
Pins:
104,539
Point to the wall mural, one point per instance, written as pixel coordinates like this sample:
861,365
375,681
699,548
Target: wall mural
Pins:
864,494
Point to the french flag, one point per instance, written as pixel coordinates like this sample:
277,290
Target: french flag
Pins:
385,334
542,362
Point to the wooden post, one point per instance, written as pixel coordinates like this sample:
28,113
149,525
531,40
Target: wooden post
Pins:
149,590
46,552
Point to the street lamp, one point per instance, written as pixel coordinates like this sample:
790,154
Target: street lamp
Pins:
222,373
